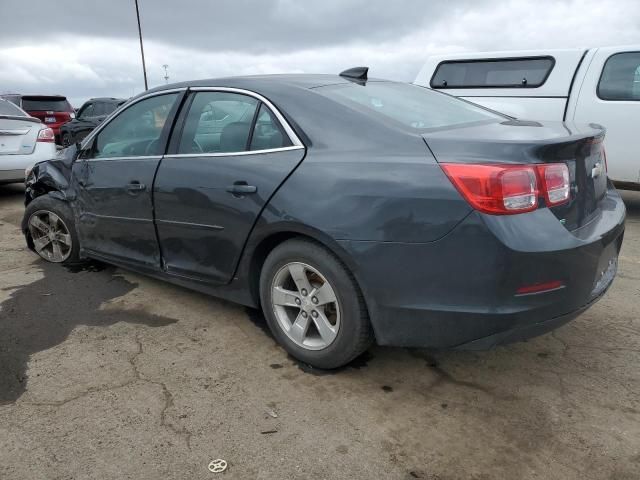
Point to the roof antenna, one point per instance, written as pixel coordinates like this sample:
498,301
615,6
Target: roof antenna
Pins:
356,73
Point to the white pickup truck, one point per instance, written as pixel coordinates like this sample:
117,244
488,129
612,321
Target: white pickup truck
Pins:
595,85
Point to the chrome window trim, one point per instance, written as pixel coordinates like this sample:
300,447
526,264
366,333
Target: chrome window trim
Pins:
131,157
295,140
89,138
285,125
234,154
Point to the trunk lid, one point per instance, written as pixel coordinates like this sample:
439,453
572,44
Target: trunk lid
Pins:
580,147
17,137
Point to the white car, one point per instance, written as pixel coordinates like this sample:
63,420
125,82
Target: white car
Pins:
24,141
580,85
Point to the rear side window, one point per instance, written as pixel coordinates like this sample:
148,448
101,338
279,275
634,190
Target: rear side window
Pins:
267,133
8,108
35,104
411,106
620,79
218,122
529,72
109,108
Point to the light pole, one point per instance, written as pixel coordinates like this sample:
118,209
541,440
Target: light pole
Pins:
144,67
166,73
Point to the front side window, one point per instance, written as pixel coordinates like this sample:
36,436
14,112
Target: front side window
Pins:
135,131
620,79
99,109
267,133
493,73
86,111
218,122
410,106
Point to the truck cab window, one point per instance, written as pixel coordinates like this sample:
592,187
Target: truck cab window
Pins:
620,79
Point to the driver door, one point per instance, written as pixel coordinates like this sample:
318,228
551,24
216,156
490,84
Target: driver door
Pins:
114,175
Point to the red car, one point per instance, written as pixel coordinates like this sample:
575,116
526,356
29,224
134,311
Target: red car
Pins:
52,110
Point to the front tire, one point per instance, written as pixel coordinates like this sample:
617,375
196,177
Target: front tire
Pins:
313,305
50,230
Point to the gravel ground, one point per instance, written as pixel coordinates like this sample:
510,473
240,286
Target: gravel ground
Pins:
106,374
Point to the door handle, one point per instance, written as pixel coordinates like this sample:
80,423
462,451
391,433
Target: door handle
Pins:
242,188
136,187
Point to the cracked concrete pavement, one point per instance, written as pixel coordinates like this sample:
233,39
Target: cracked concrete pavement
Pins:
107,374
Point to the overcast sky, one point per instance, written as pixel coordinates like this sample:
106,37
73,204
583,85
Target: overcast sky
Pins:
88,48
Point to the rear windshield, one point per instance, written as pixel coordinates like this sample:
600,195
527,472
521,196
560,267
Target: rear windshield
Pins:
8,108
493,73
412,106
55,104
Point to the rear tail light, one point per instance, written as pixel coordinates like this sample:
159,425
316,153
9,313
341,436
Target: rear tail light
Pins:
555,181
46,135
495,189
509,189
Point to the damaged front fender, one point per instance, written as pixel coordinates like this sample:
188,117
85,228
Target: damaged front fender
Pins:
52,177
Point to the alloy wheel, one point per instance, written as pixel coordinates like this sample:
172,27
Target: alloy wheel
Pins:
50,235
305,305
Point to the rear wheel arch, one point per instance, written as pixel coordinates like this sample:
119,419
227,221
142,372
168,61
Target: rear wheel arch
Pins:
265,246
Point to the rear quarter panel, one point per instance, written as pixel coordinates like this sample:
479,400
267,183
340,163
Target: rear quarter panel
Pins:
370,196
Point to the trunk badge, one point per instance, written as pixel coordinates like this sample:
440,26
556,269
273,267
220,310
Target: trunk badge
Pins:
596,171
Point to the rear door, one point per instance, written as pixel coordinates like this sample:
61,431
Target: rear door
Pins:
115,174
610,96
230,154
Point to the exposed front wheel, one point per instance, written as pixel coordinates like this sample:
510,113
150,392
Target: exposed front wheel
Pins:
313,306
51,230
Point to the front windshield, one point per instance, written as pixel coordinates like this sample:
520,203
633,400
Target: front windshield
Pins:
415,107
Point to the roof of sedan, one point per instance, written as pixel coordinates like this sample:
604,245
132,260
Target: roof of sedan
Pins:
107,99
300,80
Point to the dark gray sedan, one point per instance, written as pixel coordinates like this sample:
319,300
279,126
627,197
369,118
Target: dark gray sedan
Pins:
349,209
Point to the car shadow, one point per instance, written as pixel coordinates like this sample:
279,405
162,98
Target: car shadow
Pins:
37,316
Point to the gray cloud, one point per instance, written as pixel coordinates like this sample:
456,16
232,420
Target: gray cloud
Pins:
85,48
257,26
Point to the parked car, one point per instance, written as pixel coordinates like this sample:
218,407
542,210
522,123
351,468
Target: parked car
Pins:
595,85
87,118
347,209
53,110
23,142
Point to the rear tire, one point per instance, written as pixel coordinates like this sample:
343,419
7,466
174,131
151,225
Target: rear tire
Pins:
51,231
313,305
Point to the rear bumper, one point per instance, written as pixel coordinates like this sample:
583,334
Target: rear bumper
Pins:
460,291
524,332
12,176
12,167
